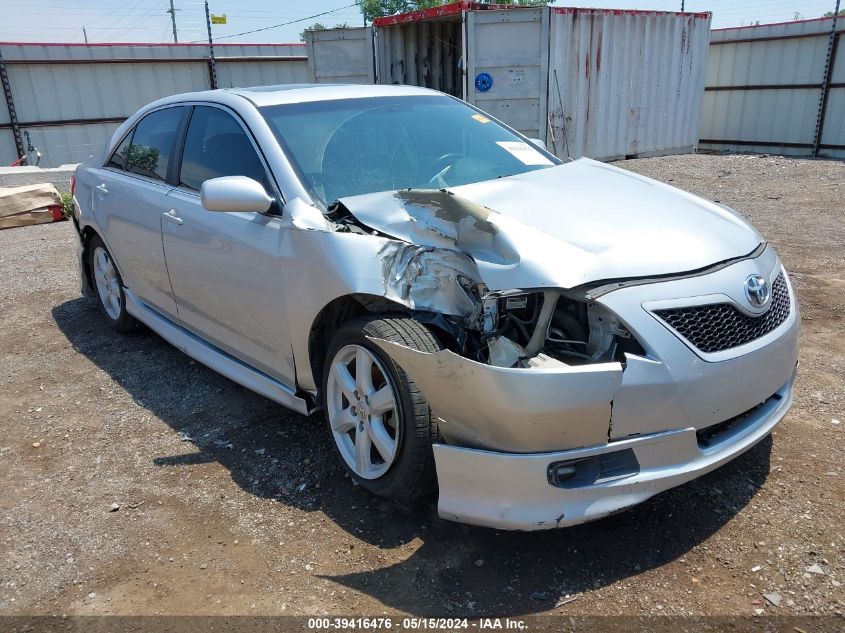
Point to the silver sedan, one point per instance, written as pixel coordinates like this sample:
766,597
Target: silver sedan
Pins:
540,343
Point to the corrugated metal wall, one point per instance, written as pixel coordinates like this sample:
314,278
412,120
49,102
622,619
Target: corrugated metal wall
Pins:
764,87
341,56
70,98
625,83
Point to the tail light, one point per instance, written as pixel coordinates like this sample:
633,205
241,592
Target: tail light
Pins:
72,184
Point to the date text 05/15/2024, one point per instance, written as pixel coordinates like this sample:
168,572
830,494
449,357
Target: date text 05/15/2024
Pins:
440,624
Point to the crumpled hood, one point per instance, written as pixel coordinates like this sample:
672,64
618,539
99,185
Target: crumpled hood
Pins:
564,226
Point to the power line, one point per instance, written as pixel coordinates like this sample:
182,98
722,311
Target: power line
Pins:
121,7
130,19
156,8
275,26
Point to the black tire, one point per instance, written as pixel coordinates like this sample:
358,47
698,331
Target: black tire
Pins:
124,322
411,477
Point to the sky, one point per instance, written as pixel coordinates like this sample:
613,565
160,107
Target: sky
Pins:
148,21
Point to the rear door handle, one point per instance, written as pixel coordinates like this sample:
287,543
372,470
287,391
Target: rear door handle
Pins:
173,216
102,189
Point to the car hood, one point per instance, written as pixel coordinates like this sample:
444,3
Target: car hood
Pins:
564,226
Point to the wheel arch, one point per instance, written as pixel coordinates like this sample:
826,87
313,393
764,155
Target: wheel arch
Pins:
332,317
86,235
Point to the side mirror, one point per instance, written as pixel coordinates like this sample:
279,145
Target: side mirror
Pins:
538,142
234,193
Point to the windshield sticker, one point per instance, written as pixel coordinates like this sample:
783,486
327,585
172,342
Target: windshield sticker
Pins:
481,118
524,153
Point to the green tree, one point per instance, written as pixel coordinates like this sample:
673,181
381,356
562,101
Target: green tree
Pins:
319,26
378,8
829,14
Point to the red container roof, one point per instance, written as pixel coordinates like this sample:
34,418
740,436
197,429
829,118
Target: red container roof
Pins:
438,12
457,7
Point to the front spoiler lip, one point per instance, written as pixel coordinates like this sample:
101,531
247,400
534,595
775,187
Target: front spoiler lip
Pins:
511,491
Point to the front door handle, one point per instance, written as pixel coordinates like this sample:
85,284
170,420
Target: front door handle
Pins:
102,189
173,216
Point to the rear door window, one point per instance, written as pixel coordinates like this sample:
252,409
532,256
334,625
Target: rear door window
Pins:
216,145
153,142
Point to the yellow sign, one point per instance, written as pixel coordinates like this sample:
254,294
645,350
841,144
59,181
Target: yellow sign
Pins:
218,19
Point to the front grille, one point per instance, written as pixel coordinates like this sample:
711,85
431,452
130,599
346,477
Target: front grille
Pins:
719,326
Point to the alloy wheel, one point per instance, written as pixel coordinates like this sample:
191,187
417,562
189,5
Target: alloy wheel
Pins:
108,285
362,411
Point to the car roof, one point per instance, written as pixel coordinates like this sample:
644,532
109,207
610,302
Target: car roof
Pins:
261,96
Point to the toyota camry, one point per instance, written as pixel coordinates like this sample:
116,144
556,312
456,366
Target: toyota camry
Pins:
539,343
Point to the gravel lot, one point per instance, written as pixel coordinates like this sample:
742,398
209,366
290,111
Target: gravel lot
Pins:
230,504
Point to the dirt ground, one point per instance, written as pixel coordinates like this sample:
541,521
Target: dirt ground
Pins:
230,504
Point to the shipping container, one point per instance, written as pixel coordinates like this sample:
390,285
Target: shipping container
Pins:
626,83
602,83
340,56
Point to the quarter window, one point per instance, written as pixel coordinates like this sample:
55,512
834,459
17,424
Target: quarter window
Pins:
118,158
216,145
152,144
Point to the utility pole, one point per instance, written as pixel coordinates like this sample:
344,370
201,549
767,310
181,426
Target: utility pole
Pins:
212,69
172,13
682,6
84,33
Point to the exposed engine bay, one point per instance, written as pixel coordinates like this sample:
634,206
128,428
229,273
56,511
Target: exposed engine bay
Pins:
544,329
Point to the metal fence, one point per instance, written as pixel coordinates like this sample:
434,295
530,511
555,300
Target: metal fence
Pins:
70,98
776,88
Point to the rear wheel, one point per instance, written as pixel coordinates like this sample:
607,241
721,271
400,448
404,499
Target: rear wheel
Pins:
380,424
109,286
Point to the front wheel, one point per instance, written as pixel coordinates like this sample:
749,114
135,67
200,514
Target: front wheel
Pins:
381,426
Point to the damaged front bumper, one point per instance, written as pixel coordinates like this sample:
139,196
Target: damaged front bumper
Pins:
534,448
525,492
515,410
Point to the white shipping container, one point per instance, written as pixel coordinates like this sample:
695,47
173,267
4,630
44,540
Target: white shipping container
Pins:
589,82
625,83
511,48
341,56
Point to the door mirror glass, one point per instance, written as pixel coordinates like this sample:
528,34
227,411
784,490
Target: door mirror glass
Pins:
234,193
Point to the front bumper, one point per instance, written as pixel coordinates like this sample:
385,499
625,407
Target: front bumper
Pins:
641,422
513,491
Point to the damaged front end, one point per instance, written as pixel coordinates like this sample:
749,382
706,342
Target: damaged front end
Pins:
560,397
524,369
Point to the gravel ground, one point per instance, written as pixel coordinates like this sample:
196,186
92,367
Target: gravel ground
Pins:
226,503
20,176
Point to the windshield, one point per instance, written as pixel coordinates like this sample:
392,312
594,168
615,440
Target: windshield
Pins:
354,146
